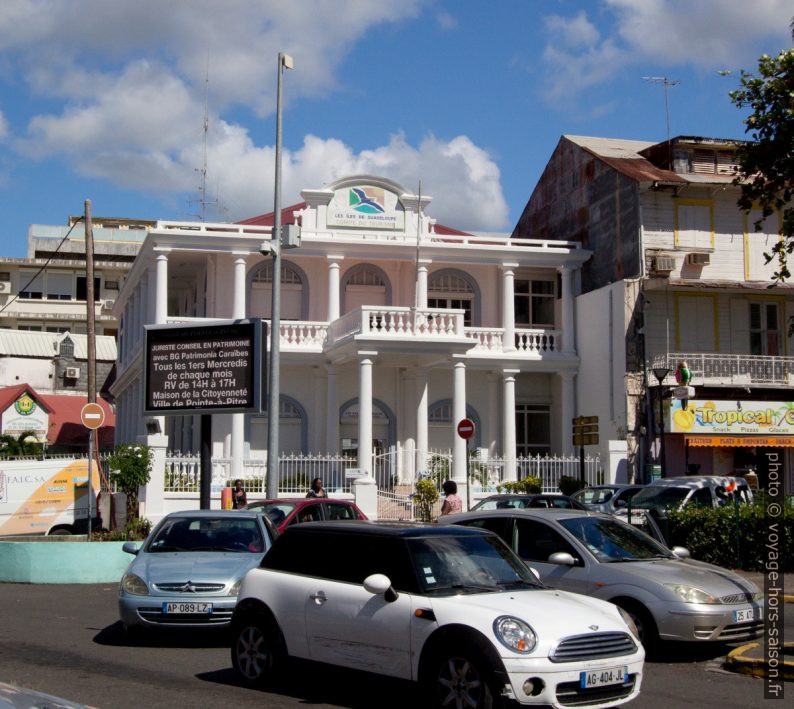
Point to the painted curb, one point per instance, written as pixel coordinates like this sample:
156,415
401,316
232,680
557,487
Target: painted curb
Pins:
741,660
62,562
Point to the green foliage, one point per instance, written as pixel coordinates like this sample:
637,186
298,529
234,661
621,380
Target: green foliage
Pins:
569,485
425,497
767,163
711,535
136,530
526,486
130,467
19,445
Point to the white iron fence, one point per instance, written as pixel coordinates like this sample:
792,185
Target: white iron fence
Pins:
394,471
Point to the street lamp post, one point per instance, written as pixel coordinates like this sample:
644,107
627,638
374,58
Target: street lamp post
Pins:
273,409
660,373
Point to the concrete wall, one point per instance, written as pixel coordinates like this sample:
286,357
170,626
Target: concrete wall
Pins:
51,560
600,384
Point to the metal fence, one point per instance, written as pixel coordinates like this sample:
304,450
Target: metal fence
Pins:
296,471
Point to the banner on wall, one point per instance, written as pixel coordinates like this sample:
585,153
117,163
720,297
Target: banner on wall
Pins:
732,418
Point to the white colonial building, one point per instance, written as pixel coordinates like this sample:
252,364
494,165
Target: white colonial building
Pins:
393,328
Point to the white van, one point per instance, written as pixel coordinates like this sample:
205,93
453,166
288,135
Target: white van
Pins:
695,490
46,497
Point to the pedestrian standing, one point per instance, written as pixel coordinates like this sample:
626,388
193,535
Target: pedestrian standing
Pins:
452,503
317,490
239,498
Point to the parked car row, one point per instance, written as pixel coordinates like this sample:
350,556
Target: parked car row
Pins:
532,598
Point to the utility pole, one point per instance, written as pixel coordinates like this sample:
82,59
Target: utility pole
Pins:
91,345
273,408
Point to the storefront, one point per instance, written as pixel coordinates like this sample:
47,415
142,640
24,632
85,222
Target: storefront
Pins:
725,437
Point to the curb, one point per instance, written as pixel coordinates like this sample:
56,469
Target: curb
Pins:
745,660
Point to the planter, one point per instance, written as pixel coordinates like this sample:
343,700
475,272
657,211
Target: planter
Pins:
61,559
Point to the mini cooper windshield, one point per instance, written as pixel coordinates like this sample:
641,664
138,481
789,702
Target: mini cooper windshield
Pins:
447,565
208,534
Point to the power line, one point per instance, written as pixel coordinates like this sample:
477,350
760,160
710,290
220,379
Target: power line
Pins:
46,263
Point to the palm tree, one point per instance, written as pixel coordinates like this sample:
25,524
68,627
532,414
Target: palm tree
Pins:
14,446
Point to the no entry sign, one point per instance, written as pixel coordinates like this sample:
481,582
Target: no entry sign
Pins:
92,415
465,428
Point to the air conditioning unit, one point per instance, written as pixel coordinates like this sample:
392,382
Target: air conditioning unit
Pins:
663,264
108,304
72,373
699,259
5,286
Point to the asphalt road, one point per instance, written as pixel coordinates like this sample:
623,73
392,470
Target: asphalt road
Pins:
66,640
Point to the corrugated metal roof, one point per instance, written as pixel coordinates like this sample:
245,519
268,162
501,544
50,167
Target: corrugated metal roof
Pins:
611,147
27,343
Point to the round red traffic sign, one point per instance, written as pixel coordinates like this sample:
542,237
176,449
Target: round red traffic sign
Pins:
466,428
92,415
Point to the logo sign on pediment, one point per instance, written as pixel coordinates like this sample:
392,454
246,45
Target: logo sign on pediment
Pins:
365,207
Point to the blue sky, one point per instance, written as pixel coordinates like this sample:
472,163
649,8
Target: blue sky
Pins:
105,99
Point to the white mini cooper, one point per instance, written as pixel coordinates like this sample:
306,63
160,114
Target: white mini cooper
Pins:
449,607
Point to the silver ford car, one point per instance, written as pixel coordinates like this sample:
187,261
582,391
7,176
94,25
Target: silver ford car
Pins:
668,595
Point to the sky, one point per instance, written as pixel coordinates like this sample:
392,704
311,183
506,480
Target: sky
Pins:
106,99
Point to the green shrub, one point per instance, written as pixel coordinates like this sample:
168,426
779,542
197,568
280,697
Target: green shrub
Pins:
526,486
130,467
732,537
136,530
425,497
569,485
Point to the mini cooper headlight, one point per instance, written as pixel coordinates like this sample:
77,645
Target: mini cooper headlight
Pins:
630,622
515,634
690,594
134,585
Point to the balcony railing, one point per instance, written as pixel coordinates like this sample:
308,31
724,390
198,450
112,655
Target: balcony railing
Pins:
407,323
398,322
716,369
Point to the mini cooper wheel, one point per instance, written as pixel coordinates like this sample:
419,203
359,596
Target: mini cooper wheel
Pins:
256,651
459,679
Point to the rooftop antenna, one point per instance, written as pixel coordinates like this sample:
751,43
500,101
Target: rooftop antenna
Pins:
667,83
202,188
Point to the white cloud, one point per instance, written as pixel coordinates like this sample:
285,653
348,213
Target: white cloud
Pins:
459,176
707,34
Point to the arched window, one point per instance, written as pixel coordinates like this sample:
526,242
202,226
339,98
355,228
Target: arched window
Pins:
294,291
293,428
364,284
451,288
439,416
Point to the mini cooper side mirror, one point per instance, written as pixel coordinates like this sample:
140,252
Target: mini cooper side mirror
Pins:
681,552
380,584
563,558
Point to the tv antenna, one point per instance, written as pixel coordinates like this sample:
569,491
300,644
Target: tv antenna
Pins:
666,82
202,188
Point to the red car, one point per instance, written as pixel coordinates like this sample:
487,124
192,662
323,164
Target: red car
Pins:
286,511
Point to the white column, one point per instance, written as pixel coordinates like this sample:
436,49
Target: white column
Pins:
421,421
238,307
566,411
567,311
421,285
333,288
365,415
509,423
331,412
459,462
238,420
161,290
508,308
